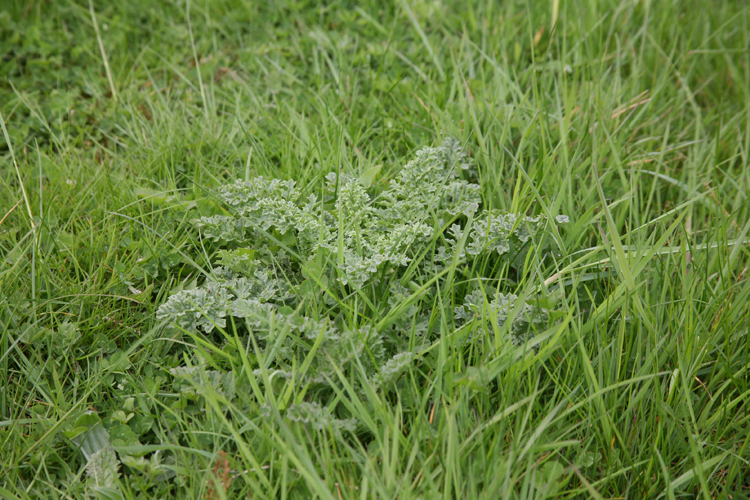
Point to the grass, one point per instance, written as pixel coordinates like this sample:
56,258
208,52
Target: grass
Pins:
121,119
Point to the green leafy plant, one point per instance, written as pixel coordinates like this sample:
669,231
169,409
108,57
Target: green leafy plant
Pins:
290,272
102,465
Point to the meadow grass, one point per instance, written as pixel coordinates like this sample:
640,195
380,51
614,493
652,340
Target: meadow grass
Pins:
121,120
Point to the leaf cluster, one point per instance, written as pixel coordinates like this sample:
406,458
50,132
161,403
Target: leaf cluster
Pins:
291,274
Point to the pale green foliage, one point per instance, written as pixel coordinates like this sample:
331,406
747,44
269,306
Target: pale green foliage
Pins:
392,370
225,293
337,349
197,380
501,233
66,336
318,418
523,316
203,308
281,254
431,182
240,261
102,468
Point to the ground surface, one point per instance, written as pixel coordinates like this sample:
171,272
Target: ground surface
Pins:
121,119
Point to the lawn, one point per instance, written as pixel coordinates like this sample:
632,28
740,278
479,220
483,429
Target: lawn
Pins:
417,249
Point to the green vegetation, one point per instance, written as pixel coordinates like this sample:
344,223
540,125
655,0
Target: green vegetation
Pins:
366,250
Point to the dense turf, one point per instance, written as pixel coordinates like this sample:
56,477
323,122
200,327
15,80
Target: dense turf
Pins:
120,121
